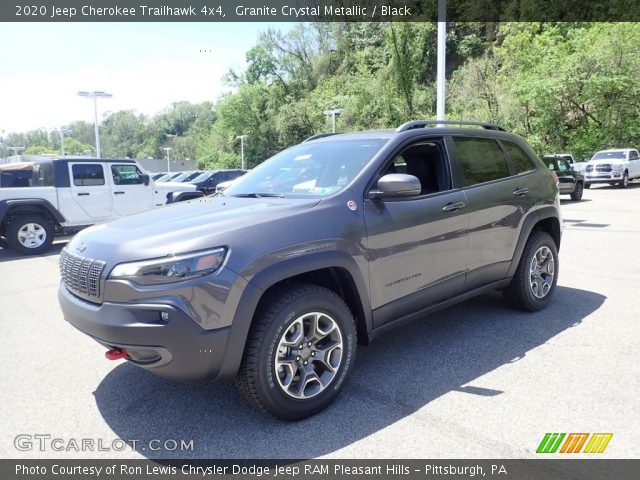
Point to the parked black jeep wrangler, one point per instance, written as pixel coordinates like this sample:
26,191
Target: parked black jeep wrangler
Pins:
275,282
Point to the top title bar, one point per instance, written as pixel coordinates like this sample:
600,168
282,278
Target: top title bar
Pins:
318,11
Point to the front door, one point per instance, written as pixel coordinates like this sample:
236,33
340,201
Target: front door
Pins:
634,164
130,194
417,246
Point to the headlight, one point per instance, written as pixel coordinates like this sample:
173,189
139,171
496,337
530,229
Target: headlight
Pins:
617,167
171,269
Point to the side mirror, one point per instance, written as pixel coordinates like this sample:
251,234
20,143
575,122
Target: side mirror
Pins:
144,178
397,185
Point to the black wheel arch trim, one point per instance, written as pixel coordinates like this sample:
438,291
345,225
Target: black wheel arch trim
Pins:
528,225
274,274
29,206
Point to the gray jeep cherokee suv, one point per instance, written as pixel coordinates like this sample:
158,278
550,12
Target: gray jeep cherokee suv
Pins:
324,246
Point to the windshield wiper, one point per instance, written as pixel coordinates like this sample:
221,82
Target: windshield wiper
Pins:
258,195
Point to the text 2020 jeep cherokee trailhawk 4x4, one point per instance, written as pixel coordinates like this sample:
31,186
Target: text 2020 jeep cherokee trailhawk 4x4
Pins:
276,281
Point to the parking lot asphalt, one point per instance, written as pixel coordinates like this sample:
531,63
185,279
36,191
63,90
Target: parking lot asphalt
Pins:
478,380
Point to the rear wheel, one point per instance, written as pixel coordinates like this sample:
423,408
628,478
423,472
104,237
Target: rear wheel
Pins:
299,352
537,274
587,185
577,193
30,234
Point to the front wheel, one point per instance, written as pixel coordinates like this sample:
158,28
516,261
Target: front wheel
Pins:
537,274
29,234
577,193
624,183
587,185
300,350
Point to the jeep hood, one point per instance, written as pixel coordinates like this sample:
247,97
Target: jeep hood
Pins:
185,226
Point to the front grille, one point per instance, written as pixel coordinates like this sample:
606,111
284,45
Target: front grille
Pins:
81,274
605,167
589,168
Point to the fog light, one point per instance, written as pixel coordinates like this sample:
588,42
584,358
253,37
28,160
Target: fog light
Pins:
164,316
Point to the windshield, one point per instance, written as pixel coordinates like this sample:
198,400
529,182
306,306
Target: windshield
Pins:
181,177
308,169
202,176
192,175
608,155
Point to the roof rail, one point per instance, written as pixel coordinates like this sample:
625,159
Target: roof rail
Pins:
318,135
423,123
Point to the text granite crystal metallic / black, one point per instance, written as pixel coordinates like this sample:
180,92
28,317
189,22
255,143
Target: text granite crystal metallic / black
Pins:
321,248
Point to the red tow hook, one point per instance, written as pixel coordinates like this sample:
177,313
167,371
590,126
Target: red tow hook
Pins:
115,354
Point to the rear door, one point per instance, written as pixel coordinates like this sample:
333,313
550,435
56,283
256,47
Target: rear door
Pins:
498,200
90,193
130,194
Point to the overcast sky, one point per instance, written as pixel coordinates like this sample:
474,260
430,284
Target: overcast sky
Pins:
146,66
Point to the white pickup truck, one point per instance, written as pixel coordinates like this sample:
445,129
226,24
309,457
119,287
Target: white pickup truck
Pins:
615,167
49,197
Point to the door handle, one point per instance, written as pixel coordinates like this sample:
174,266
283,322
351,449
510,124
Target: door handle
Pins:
83,194
453,207
519,192
118,193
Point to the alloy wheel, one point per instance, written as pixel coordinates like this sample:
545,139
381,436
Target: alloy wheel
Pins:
309,355
541,272
32,235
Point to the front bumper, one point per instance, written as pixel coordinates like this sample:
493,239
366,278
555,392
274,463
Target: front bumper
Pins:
176,348
603,177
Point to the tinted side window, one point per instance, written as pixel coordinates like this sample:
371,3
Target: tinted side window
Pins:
519,158
45,175
481,159
86,175
126,175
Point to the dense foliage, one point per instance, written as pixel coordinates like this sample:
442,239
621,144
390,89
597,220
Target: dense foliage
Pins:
570,87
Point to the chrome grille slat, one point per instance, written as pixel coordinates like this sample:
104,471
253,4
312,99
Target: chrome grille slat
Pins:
81,274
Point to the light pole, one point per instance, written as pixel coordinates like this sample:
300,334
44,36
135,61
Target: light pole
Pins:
241,138
441,60
333,113
168,149
16,150
62,132
95,94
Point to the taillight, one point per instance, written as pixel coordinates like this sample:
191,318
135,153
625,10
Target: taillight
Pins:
555,178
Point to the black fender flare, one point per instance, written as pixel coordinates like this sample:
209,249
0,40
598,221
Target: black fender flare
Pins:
528,225
175,197
270,276
29,206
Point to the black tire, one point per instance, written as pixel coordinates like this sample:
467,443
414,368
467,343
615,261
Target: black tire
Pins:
577,193
259,380
520,293
43,234
587,185
624,183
